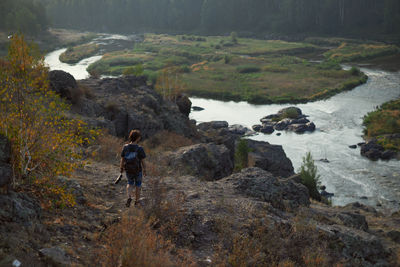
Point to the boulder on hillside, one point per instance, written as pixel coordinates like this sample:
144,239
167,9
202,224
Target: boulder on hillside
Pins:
184,104
62,82
19,207
208,161
269,157
258,183
221,136
355,244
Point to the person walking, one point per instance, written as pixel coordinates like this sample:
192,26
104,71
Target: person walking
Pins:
132,161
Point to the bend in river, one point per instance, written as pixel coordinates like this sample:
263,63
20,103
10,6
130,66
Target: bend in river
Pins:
339,124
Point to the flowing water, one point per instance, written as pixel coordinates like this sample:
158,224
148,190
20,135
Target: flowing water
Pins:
339,124
107,42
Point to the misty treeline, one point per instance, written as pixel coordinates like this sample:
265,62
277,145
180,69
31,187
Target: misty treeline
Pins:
361,17
26,16
224,16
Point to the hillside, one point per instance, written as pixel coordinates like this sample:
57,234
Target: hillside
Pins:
197,210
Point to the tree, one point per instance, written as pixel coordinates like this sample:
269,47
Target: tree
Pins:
44,141
242,155
310,177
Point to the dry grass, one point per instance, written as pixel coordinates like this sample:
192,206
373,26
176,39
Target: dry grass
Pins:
165,141
271,244
108,148
133,242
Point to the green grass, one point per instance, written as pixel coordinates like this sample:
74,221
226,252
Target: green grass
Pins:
383,122
74,54
253,70
348,52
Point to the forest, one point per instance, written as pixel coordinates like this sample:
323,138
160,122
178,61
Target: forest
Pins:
347,17
359,18
26,16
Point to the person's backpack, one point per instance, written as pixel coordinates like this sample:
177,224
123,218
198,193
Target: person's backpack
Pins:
132,161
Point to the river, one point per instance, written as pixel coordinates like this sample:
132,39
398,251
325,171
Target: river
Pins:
339,124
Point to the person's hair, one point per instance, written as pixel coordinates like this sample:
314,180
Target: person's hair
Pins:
134,135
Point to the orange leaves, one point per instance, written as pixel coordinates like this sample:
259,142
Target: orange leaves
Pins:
45,144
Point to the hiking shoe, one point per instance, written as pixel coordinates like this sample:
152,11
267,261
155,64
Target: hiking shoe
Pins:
128,202
118,179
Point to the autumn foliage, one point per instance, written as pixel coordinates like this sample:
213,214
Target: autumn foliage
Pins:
44,141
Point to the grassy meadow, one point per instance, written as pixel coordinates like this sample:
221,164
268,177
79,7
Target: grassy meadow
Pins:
74,54
231,68
384,122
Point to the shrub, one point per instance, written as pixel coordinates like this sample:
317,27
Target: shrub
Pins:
248,69
87,91
136,70
227,59
185,69
45,143
329,65
355,71
242,155
291,113
234,37
310,177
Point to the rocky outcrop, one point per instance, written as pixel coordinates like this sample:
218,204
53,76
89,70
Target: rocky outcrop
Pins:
184,104
282,194
5,167
207,161
271,158
19,207
62,83
289,119
126,103
212,125
375,151
221,133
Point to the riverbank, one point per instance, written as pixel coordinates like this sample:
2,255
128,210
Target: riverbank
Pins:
383,126
238,69
51,39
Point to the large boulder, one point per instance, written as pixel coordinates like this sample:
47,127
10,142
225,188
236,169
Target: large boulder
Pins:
212,125
269,157
372,150
62,82
207,161
357,246
19,207
184,104
282,194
